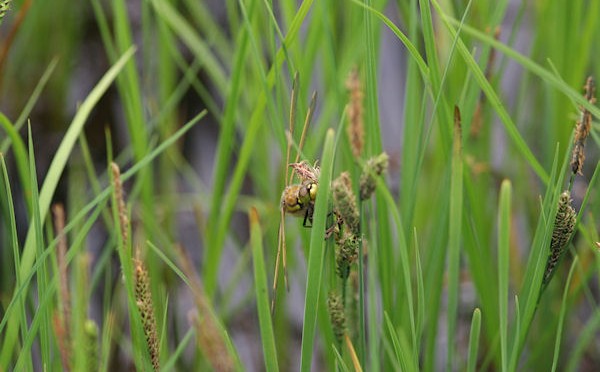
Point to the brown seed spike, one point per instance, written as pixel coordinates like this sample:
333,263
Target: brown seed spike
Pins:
345,202
119,196
356,131
582,129
144,302
373,167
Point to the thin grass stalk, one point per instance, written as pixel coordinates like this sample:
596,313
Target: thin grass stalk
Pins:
454,236
504,218
64,297
262,300
474,341
563,311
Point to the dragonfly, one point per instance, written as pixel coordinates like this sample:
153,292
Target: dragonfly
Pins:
297,199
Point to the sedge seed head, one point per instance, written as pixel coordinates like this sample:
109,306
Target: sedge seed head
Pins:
90,330
373,168
345,202
564,224
143,298
582,129
356,131
346,253
335,306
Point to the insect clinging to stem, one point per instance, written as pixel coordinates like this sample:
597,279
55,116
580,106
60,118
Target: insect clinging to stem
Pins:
296,199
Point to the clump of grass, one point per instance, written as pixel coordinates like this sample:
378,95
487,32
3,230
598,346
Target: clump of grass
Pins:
62,322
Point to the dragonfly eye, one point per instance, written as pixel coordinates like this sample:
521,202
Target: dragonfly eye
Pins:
312,191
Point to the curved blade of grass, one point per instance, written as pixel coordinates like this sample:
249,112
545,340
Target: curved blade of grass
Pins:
178,353
503,253
584,338
22,315
563,311
262,294
338,357
192,40
412,49
404,264
474,340
31,101
546,75
20,155
54,173
316,254
399,353
42,272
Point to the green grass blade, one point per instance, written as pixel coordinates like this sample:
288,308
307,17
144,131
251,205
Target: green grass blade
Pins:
33,98
371,35
454,237
42,272
316,254
20,153
420,292
504,214
412,49
222,165
474,340
341,364
563,311
262,294
22,315
584,338
190,37
398,352
435,77
179,351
